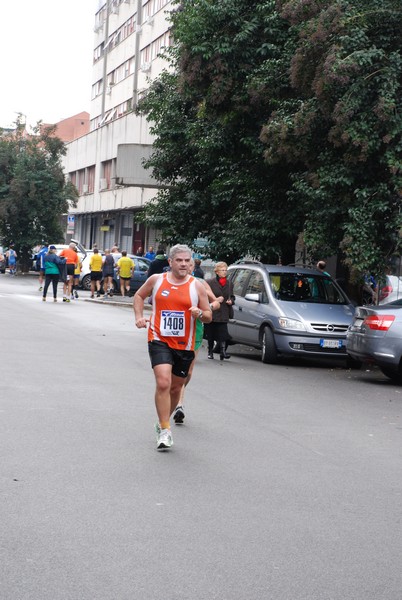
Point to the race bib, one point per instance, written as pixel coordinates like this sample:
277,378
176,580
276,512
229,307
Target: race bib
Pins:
173,323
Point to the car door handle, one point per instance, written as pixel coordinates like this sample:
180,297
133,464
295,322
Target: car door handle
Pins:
240,308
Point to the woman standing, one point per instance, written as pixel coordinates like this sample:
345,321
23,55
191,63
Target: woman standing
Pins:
51,264
218,329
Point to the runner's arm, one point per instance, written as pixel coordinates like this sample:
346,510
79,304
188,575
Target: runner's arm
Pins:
203,311
139,299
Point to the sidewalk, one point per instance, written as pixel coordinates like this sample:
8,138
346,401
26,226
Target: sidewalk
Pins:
116,300
125,301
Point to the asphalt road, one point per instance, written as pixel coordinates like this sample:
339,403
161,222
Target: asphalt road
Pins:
284,483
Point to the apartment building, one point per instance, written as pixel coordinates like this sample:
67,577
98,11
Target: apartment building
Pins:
106,163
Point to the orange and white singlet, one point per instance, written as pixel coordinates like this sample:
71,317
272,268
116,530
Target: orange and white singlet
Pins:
171,321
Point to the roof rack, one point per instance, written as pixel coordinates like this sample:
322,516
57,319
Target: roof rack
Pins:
247,261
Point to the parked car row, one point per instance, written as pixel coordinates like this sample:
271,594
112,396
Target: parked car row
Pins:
141,266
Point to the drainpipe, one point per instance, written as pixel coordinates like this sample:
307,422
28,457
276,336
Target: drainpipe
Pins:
137,53
106,50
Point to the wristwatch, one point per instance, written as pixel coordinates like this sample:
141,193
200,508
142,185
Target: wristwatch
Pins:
200,314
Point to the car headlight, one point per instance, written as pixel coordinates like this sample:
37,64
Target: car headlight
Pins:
286,323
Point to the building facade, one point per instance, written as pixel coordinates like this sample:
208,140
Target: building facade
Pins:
106,164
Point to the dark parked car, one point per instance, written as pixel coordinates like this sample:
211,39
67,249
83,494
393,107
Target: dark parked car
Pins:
139,276
288,311
375,336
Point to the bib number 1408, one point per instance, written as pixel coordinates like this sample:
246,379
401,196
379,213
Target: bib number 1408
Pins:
172,323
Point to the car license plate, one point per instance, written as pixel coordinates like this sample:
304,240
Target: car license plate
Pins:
331,343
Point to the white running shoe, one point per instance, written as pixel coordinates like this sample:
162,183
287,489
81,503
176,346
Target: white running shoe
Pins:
165,440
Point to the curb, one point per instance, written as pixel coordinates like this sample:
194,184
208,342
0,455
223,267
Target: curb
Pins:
113,303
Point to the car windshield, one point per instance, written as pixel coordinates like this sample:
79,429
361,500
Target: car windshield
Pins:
296,287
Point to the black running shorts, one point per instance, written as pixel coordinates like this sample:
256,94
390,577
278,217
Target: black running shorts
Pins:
161,354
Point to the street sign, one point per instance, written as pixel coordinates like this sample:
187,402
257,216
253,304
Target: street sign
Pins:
70,223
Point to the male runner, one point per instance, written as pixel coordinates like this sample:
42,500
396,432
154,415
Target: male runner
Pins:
178,299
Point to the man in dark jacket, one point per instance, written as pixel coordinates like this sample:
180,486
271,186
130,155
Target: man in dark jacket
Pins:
160,262
198,272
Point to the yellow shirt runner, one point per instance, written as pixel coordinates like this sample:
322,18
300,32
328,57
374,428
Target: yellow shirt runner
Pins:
125,265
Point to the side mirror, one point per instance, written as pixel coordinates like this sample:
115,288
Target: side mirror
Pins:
253,297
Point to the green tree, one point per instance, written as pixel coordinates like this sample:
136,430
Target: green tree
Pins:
341,132
33,191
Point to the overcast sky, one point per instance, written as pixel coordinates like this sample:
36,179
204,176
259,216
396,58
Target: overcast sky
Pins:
46,49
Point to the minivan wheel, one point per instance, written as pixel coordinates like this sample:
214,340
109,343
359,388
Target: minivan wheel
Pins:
269,351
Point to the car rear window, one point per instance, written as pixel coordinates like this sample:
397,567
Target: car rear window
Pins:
296,287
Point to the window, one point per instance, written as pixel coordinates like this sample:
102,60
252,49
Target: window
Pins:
91,179
80,180
239,279
99,51
97,88
152,50
295,287
146,54
142,265
107,172
256,286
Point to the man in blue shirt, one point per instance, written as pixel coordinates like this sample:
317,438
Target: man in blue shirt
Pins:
150,254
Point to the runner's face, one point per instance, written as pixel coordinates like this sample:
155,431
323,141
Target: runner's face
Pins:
180,264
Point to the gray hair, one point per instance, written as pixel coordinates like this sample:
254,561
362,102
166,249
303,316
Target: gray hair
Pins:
178,248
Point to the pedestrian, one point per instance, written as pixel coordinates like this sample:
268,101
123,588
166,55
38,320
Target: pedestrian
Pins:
177,300
95,265
179,415
159,263
11,257
51,265
76,277
198,271
218,329
125,268
321,266
150,255
140,251
108,274
72,260
44,249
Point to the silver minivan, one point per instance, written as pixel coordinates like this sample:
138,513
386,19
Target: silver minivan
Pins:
288,311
